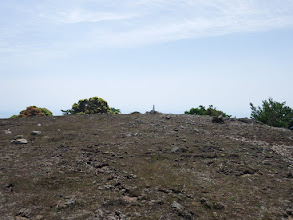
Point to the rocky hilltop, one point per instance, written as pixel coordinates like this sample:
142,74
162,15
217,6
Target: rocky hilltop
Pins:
151,166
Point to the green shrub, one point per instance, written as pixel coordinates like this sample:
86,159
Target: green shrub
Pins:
273,113
46,112
14,116
93,105
211,111
135,113
115,111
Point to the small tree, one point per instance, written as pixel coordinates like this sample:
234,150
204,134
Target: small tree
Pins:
211,111
273,113
93,105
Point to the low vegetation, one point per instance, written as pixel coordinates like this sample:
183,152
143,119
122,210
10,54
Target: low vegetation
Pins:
211,111
273,113
115,111
94,105
33,111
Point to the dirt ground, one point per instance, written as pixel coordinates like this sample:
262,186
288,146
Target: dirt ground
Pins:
144,166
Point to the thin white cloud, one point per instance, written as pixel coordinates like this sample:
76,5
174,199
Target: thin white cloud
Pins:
79,16
198,19
170,20
127,23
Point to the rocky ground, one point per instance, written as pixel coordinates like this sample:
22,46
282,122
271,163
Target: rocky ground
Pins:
144,167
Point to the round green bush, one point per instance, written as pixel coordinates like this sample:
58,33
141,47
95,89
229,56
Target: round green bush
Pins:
94,105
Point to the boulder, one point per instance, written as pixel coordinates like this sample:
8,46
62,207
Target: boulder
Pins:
19,141
36,132
175,205
18,137
7,132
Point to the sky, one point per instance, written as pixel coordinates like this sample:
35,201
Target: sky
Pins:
138,53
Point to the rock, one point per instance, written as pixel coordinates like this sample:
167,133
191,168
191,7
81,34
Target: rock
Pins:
181,211
130,199
39,125
168,117
245,120
205,203
175,149
19,141
7,132
266,162
36,132
163,190
9,187
102,165
18,137
99,213
175,205
289,212
24,213
218,119
21,218
108,187
218,205
65,204
137,214
142,197
290,174
130,176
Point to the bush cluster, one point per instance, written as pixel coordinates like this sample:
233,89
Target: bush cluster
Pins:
115,111
211,111
273,113
94,105
32,111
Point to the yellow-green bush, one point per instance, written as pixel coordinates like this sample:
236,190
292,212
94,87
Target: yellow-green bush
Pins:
93,105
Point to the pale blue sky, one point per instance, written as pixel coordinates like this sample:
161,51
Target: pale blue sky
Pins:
136,53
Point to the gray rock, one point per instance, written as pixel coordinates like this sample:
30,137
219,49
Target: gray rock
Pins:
65,204
24,213
218,205
36,132
175,149
19,141
205,203
18,137
181,211
290,174
7,132
218,119
100,213
175,205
